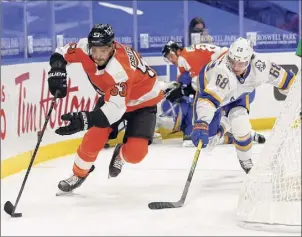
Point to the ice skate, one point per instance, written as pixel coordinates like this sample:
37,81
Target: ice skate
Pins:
116,164
66,186
187,142
246,165
157,138
258,138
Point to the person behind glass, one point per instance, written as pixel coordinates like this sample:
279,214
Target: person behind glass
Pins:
198,32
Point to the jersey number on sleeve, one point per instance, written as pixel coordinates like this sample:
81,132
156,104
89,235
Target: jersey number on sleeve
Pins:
275,70
119,89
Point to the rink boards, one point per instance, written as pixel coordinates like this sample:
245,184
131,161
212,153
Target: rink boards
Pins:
25,102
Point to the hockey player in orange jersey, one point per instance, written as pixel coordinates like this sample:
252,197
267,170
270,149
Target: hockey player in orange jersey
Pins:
129,90
190,60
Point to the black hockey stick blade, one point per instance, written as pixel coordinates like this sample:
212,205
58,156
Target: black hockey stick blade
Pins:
9,209
180,203
164,205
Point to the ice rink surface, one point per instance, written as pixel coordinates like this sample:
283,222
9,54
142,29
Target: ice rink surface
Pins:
119,206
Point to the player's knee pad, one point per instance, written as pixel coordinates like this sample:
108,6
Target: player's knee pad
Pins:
135,150
240,122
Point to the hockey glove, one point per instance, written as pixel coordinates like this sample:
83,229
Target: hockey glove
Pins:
57,81
79,121
200,132
174,95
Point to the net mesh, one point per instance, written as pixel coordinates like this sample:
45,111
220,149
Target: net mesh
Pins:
271,194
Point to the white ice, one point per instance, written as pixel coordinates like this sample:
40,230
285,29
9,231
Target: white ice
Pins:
119,206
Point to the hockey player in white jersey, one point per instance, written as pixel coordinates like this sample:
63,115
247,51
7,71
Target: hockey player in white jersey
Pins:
190,60
226,83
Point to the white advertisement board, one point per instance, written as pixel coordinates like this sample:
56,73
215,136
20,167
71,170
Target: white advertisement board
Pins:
25,101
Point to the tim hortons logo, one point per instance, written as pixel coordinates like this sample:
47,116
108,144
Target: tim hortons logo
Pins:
31,116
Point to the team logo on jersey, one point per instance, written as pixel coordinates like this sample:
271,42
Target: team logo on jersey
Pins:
260,65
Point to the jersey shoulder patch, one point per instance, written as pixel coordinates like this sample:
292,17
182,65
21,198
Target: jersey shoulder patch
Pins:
260,65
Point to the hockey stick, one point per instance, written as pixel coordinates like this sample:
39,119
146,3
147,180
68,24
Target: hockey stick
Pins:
9,208
180,203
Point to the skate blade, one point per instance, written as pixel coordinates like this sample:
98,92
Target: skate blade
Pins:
62,193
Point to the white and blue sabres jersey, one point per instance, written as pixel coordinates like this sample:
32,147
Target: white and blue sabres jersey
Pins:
219,86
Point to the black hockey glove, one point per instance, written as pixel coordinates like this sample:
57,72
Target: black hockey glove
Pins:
188,90
57,75
78,122
175,94
57,81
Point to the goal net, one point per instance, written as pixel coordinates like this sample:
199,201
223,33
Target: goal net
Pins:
271,195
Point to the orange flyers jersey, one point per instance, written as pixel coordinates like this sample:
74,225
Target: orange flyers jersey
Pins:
127,82
193,58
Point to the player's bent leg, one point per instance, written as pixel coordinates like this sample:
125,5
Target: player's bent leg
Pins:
139,134
93,142
241,129
228,138
256,137
217,128
133,151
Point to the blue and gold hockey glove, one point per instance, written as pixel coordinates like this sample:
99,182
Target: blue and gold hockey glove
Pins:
200,132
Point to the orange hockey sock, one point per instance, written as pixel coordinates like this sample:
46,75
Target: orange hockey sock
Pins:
93,142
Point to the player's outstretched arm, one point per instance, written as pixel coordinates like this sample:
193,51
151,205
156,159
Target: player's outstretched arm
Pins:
280,78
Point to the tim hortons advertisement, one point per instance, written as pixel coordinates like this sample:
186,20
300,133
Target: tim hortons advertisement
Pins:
25,102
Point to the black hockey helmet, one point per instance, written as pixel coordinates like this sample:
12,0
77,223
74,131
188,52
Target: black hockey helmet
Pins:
171,46
101,35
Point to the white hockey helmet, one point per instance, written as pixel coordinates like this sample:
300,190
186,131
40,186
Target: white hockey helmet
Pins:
241,50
